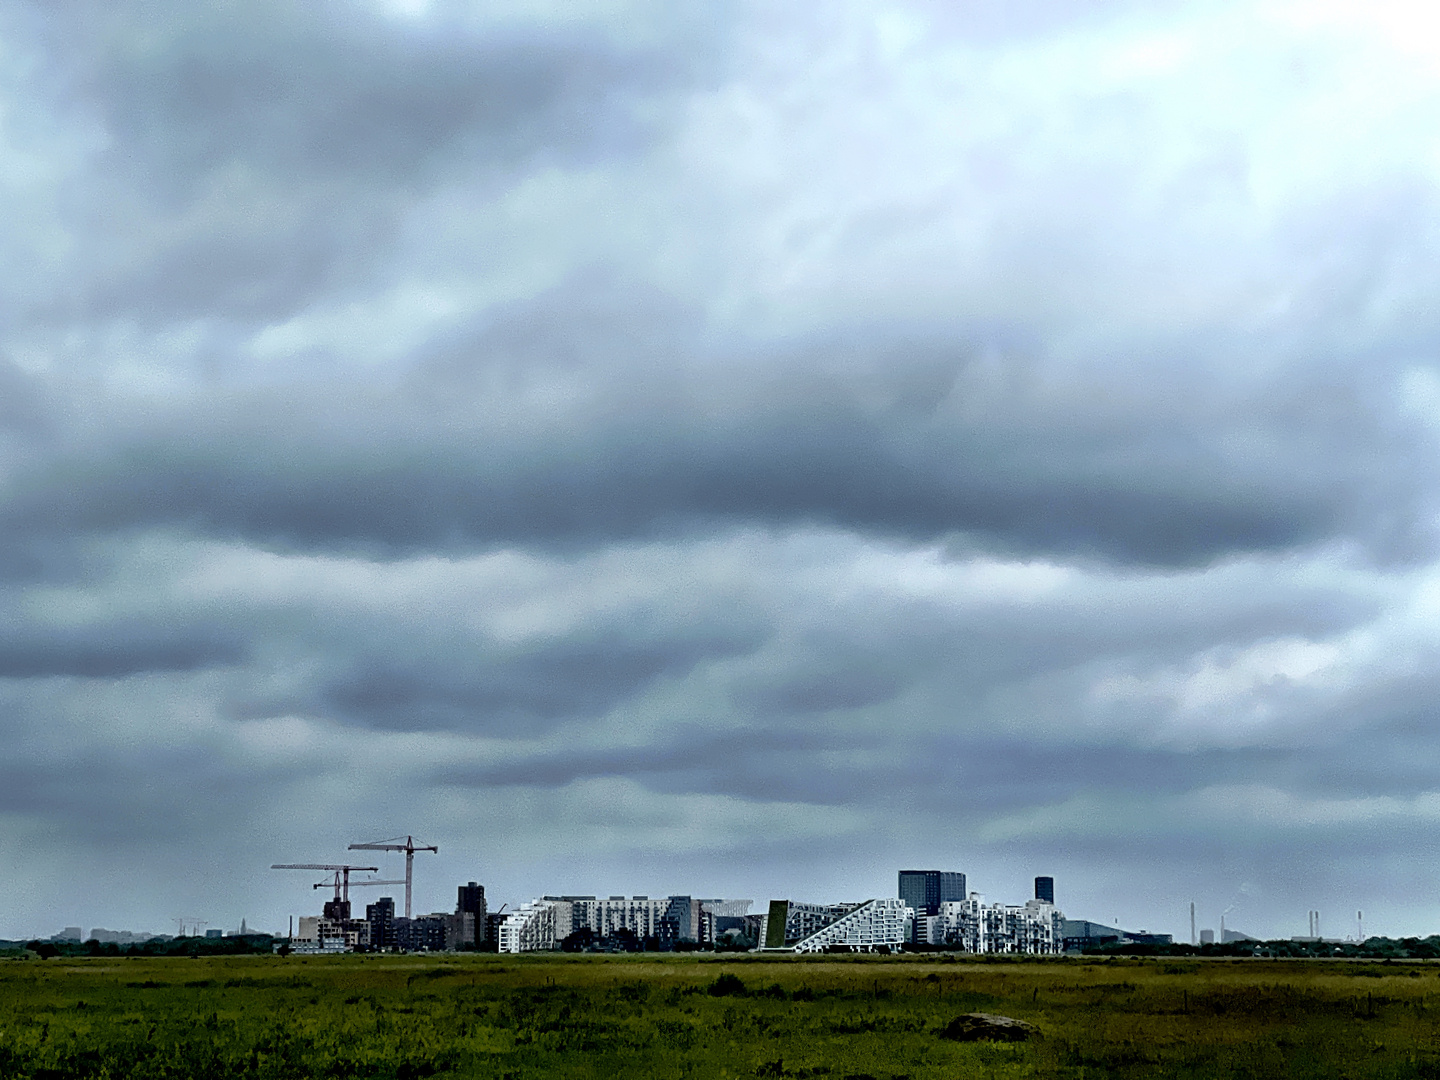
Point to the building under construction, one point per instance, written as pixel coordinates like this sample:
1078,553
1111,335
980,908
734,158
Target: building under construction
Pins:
336,930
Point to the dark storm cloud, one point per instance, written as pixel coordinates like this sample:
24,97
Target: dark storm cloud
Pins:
318,89
858,657
259,155
891,443
963,777
978,775
114,650
1395,766
520,691
406,500
134,796
842,687
25,403
730,762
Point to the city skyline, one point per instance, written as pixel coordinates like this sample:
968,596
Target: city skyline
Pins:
736,448
363,883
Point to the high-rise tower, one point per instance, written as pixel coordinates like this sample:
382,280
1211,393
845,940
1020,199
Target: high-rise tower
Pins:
471,901
926,890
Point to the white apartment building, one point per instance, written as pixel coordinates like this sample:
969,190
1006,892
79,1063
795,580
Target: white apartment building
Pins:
535,927
546,922
641,915
976,927
867,927
789,921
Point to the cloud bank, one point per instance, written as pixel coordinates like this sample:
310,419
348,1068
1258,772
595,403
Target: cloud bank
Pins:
720,448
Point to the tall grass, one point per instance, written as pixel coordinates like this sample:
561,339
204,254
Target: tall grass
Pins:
403,1018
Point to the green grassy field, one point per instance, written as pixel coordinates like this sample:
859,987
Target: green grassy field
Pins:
669,1016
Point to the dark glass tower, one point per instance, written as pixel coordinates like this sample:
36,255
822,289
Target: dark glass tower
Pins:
926,890
472,900
1045,889
381,917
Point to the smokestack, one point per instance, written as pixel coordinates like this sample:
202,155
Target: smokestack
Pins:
1193,939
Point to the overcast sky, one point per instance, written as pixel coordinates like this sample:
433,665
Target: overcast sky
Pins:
739,449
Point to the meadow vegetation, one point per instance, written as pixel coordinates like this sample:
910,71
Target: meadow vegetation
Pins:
838,1018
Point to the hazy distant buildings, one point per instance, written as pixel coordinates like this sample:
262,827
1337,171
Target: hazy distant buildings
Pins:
117,937
1081,934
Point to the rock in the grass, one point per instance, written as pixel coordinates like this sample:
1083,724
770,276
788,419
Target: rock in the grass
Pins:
975,1026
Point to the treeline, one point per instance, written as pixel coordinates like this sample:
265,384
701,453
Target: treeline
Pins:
1375,948
187,946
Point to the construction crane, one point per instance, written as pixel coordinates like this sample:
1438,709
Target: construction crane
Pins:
338,885
342,873
195,925
409,847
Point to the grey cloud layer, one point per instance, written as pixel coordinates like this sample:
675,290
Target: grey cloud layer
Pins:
114,650
256,158
519,691
889,445
718,435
